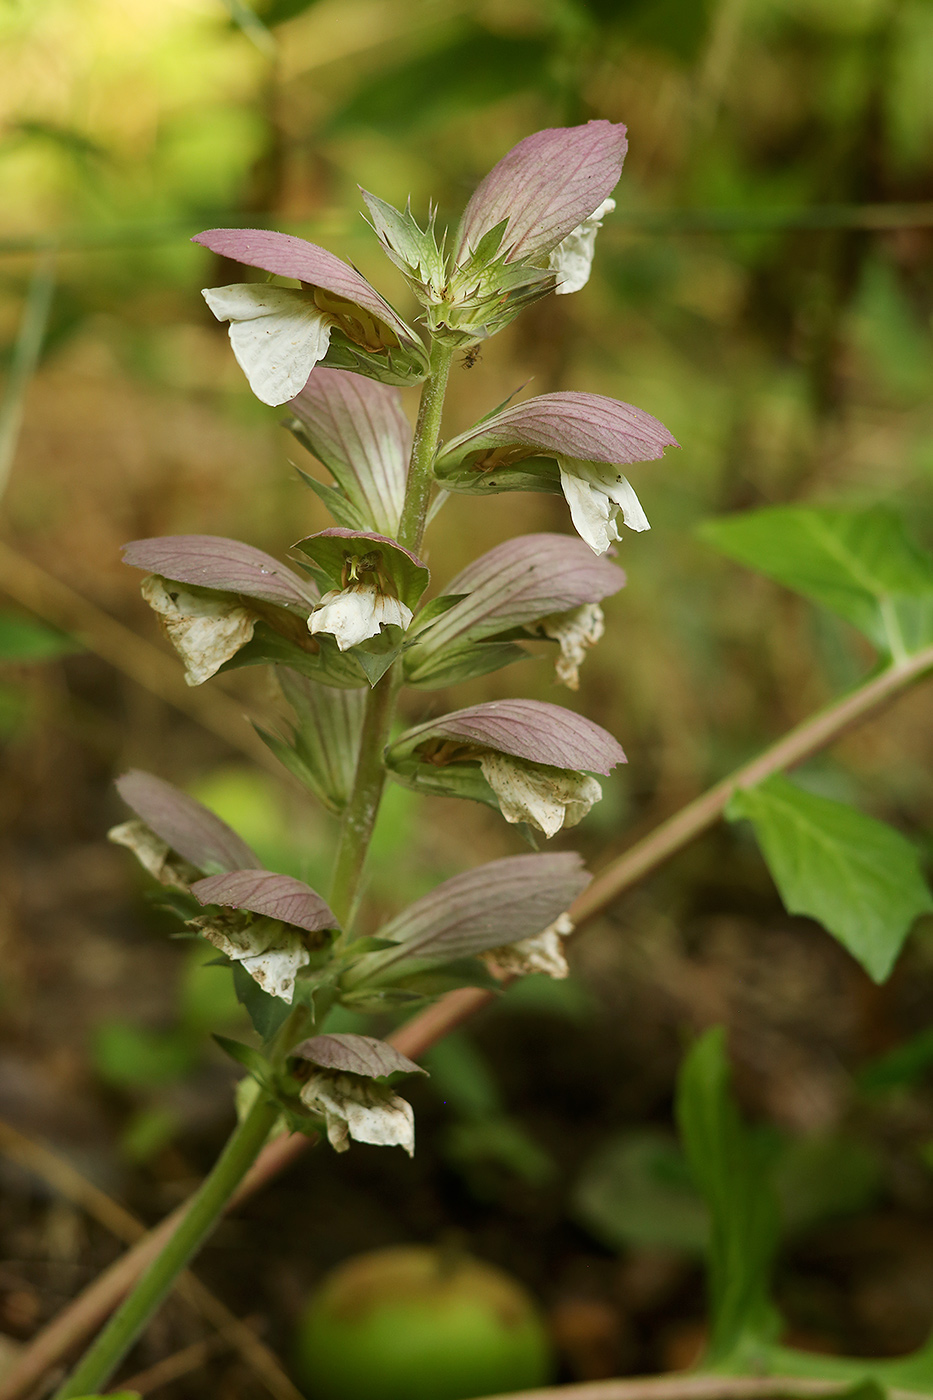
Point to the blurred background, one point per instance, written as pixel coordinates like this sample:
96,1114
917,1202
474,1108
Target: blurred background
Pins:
765,288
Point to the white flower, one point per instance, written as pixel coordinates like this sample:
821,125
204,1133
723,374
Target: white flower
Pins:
269,951
204,631
277,333
352,1106
545,797
575,631
573,256
541,952
596,492
350,615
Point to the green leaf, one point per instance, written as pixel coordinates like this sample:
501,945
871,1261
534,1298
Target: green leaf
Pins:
860,564
21,639
858,877
636,1190
730,1170
907,1063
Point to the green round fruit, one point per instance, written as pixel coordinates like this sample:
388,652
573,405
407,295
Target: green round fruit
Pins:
412,1323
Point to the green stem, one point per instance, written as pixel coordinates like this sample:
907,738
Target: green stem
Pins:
360,816
104,1356
426,439
244,1145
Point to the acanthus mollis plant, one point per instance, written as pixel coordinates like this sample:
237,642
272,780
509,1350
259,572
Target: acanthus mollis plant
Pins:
348,622
351,620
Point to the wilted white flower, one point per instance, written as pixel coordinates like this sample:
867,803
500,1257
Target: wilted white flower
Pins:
545,797
542,952
572,259
278,335
596,493
154,855
352,1106
205,631
575,631
351,615
268,950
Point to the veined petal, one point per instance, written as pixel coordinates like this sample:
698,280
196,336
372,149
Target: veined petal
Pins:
575,427
277,333
353,1107
204,631
572,259
575,632
545,186
284,255
533,730
373,338
596,495
546,798
542,952
351,615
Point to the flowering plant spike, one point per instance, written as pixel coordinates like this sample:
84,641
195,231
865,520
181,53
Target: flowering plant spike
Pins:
349,627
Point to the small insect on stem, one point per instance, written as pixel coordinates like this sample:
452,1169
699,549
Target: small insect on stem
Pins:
470,357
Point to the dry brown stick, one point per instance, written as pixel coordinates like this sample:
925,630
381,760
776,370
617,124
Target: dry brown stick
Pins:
685,1385
70,1183
90,1308
171,1368
58,603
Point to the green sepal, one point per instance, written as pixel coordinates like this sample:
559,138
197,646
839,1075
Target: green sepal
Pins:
463,663
430,613
540,474
247,1056
329,664
343,510
396,365
454,780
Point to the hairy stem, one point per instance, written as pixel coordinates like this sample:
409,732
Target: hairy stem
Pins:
360,816
102,1359
426,439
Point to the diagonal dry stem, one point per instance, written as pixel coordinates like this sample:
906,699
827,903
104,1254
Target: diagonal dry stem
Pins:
687,1386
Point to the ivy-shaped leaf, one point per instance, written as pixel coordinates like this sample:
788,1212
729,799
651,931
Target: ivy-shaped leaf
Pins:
857,876
860,564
